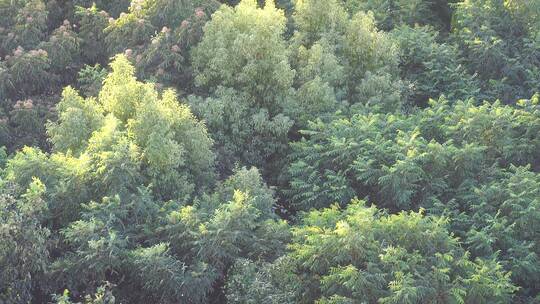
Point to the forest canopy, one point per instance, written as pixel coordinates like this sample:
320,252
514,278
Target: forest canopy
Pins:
270,151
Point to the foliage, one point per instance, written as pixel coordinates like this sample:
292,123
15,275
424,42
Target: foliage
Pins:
346,56
103,295
24,122
394,13
168,57
171,252
78,118
498,45
91,79
145,17
361,255
249,79
432,67
23,242
269,283
63,47
91,32
28,72
114,8
403,162
398,152
26,21
243,133
252,57
212,151
128,128
127,31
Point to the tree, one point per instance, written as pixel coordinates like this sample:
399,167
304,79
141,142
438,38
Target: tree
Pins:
135,29
103,295
406,162
26,22
168,57
395,13
243,48
497,43
153,140
213,151
92,23
170,252
361,255
242,62
346,56
101,149
23,242
433,68
406,157
243,132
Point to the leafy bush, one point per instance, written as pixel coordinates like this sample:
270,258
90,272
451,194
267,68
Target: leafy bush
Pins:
497,43
432,67
23,242
392,14
361,69
403,163
249,79
361,254
191,247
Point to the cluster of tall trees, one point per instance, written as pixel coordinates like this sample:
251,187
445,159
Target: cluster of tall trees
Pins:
288,151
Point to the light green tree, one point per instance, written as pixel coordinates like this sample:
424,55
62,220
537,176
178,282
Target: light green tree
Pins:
242,63
362,255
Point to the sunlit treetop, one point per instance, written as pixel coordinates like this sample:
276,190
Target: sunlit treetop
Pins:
168,146
243,48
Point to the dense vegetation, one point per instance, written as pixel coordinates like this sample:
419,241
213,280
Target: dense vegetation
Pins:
288,151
